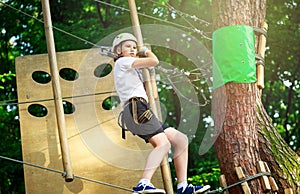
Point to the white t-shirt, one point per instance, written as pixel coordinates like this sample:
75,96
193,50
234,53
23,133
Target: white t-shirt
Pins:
128,80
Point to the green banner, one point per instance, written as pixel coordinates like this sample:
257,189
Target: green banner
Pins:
233,55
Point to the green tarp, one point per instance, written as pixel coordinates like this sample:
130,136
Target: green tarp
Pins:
233,55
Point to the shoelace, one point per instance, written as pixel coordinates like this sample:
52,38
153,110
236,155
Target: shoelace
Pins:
145,185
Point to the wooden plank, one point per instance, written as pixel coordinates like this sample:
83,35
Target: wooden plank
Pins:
223,183
261,52
241,175
264,179
271,179
288,191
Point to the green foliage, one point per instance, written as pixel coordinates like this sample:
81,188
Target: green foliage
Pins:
206,173
282,77
11,178
203,172
6,76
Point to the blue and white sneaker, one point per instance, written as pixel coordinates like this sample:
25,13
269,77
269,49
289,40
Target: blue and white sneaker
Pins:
193,189
149,188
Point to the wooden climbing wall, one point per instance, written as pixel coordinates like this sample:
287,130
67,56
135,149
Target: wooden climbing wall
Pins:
97,150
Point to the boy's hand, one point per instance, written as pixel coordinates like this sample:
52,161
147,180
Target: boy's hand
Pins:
142,52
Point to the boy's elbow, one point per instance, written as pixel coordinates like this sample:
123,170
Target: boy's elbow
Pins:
156,62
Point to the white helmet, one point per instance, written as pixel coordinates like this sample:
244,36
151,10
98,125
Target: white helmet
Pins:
121,38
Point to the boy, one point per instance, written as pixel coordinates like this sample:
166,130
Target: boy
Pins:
139,119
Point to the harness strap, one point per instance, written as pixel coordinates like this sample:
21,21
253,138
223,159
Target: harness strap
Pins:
121,123
138,119
134,110
147,115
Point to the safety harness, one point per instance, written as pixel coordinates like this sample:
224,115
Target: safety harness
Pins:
140,112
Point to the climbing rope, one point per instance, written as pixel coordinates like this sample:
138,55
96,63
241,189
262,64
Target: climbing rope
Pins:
220,189
64,173
172,73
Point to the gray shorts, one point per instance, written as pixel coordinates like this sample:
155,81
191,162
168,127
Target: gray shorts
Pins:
146,129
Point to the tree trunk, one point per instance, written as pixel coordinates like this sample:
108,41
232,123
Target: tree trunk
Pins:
245,133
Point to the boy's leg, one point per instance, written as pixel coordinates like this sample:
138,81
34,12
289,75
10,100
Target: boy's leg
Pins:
161,146
180,143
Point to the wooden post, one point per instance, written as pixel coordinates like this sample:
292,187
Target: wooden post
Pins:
261,51
57,92
138,34
223,183
165,168
241,175
154,89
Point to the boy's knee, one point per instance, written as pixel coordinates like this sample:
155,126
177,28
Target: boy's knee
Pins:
162,144
166,146
185,139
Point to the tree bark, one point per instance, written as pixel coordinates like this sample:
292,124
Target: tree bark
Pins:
245,132
237,142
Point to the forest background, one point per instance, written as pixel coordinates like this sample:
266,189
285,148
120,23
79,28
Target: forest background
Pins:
22,35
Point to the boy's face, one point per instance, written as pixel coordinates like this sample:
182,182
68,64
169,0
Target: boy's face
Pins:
127,49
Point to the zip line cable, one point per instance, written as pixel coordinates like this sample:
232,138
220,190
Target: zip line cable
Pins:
183,16
63,173
169,73
195,18
112,5
41,21
142,14
193,29
13,102
218,190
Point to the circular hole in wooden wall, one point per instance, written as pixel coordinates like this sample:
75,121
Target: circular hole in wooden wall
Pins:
103,70
69,108
41,77
111,102
37,110
68,74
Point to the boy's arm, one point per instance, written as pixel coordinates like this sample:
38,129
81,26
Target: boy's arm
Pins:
149,61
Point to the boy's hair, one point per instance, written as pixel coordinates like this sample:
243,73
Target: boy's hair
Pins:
118,40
